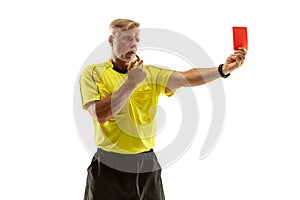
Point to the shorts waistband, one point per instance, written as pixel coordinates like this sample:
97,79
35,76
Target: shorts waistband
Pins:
134,163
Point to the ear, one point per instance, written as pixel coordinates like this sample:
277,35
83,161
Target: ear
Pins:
110,40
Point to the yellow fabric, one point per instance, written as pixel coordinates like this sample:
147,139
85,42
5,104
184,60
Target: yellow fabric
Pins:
133,129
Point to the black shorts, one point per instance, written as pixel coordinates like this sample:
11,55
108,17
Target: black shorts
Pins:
113,176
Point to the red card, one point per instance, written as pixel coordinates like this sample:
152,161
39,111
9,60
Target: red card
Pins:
240,38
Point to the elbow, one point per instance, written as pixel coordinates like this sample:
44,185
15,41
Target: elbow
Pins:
102,115
102,119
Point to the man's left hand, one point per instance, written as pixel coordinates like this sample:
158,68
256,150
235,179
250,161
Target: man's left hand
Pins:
234,61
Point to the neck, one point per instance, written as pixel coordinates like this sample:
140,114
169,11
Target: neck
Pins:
119,64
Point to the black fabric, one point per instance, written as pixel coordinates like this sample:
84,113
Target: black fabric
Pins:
107,179
118,70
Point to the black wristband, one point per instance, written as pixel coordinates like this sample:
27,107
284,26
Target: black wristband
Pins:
220,70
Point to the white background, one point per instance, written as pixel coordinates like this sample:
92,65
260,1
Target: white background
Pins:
44,43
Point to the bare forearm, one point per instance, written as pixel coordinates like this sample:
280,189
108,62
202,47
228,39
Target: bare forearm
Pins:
200,76
192,77
111,105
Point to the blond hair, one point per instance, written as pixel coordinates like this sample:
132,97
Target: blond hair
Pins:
122,23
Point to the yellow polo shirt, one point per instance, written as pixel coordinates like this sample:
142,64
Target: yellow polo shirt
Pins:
133,129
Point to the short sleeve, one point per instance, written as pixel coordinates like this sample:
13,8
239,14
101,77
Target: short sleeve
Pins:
90,85
162,79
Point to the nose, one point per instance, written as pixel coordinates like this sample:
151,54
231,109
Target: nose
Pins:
134,42
134,45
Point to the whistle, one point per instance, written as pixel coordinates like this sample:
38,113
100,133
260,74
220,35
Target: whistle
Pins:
138,58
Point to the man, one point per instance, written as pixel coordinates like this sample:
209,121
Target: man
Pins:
121,96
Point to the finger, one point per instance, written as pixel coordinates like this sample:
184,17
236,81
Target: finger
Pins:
140,64
131,64
239,61
240,56
236,53
242,51
236,60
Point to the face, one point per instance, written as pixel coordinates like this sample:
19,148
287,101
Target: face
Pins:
124,44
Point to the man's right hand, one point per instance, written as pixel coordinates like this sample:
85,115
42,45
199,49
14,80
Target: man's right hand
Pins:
136,72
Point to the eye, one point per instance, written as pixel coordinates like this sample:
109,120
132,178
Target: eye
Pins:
129,38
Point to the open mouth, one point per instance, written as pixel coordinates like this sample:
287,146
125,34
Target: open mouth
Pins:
131,52
129,55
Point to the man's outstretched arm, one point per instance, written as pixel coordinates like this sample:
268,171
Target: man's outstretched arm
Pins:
200,76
